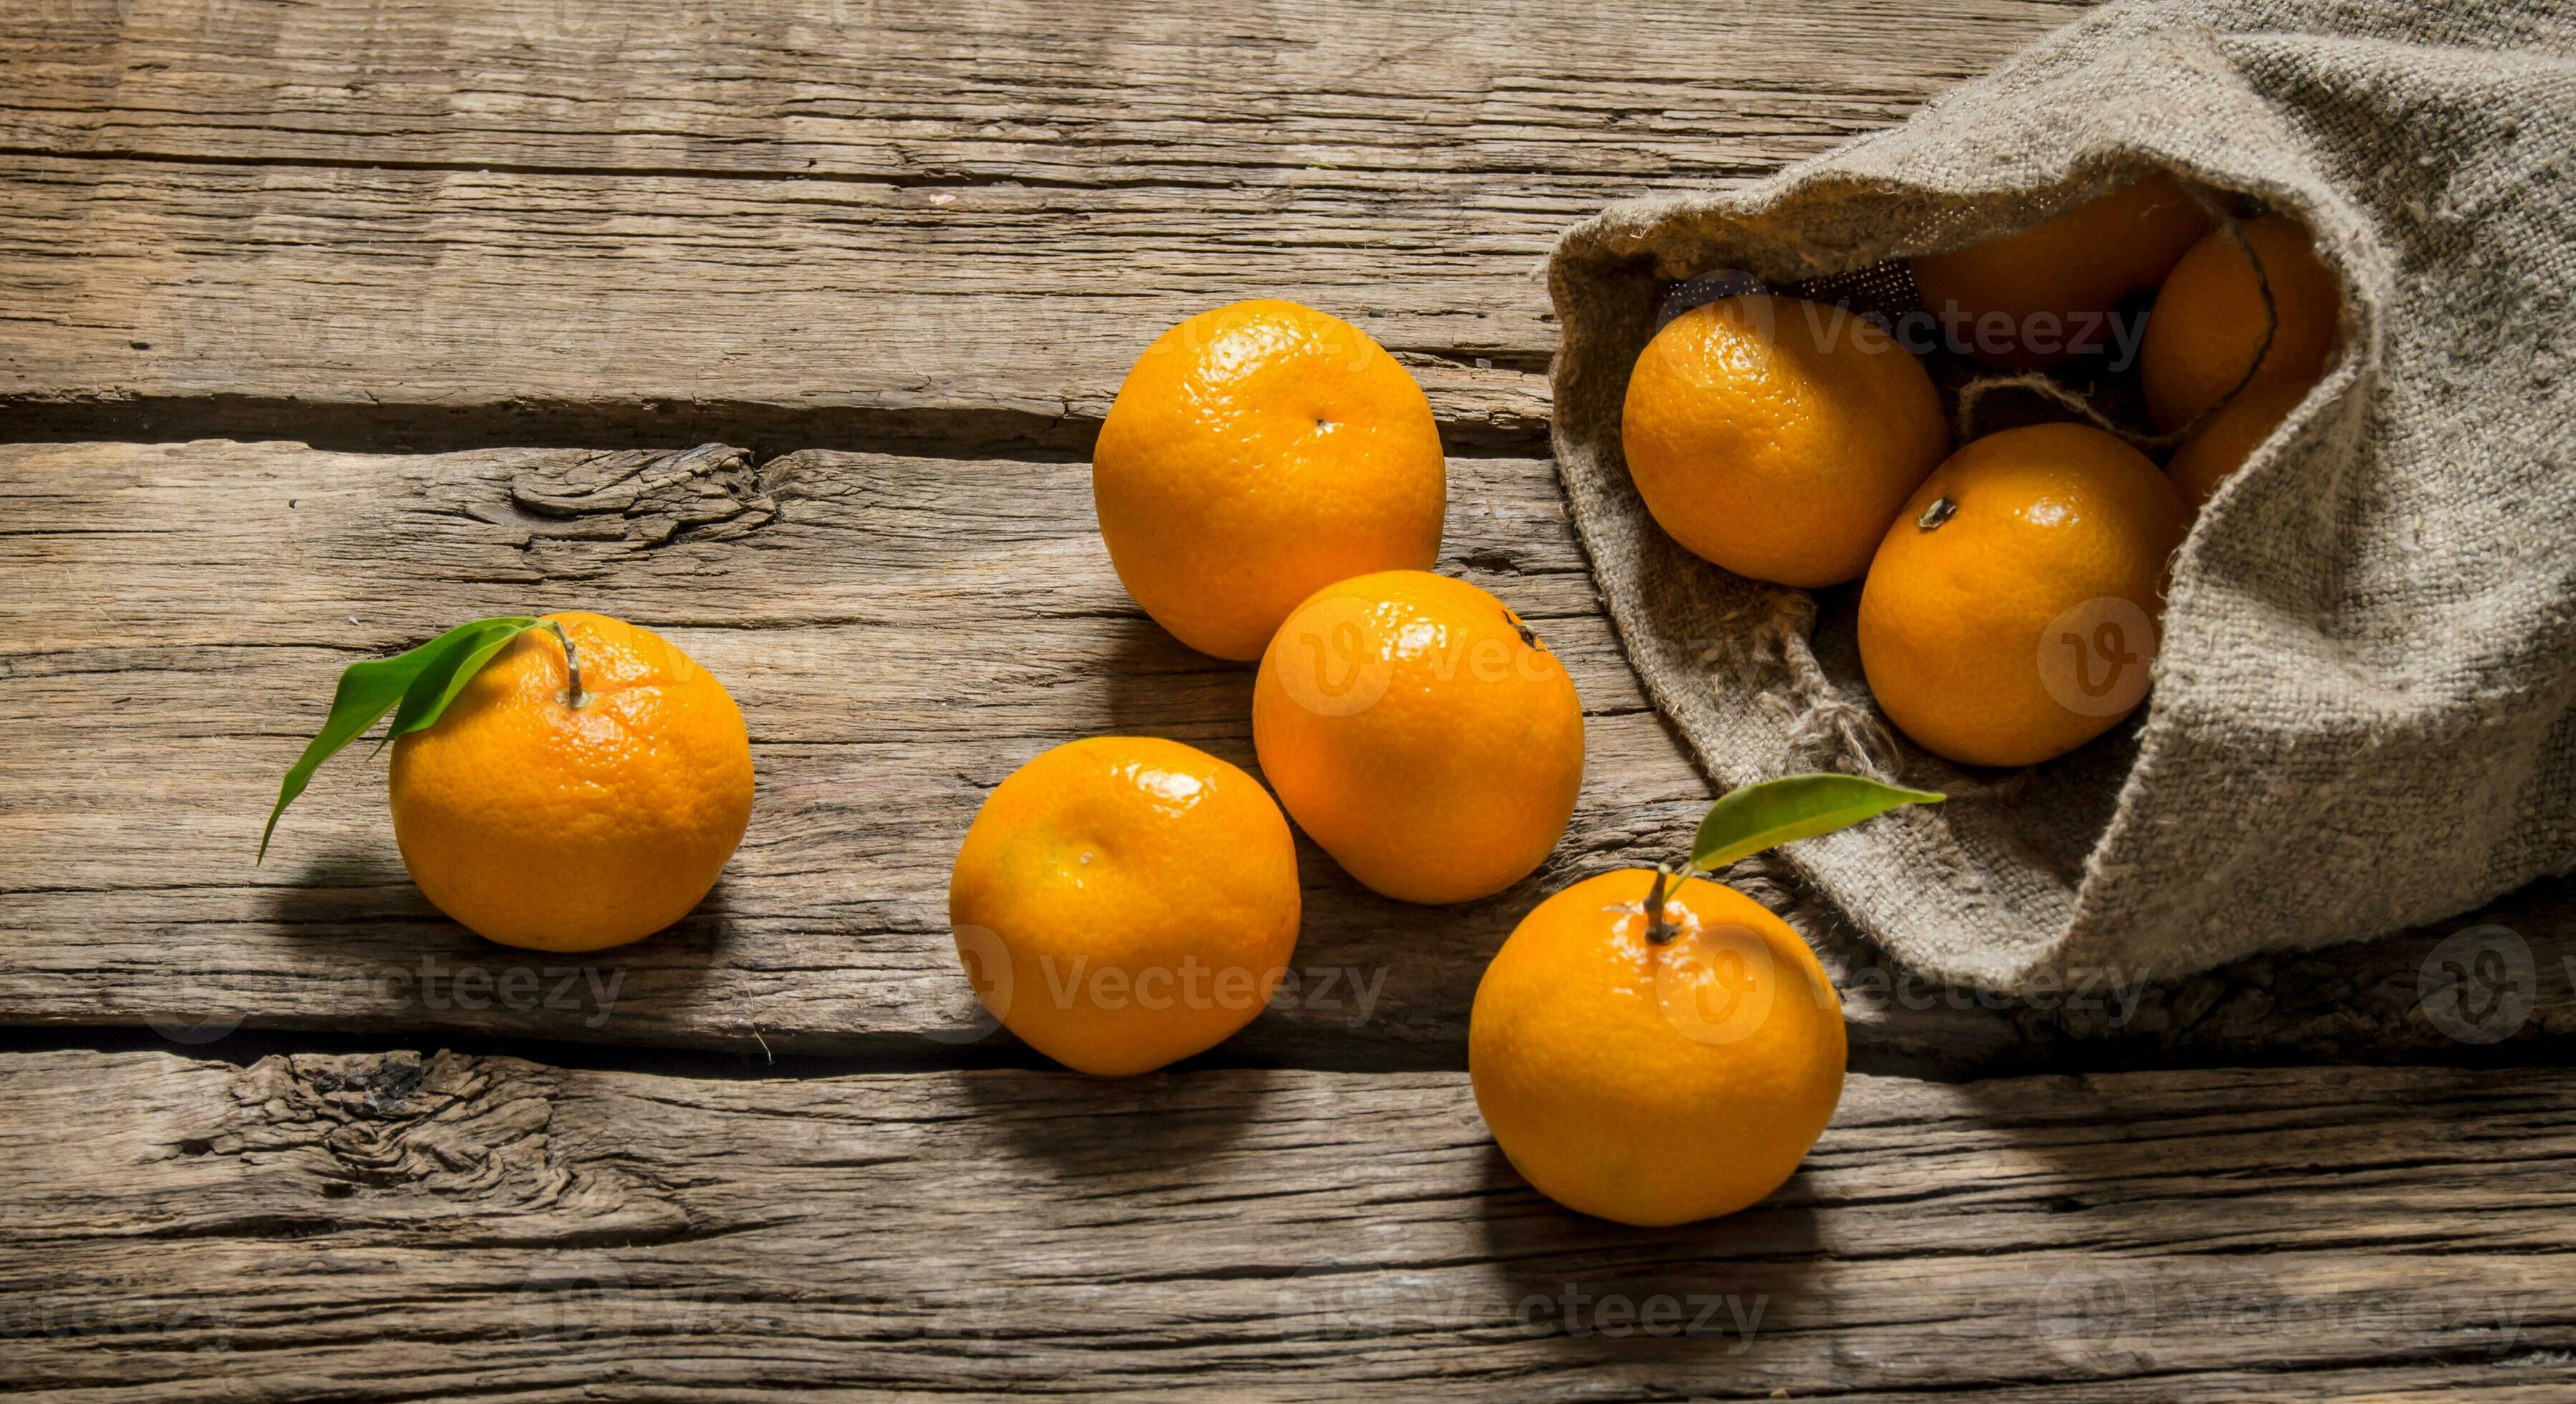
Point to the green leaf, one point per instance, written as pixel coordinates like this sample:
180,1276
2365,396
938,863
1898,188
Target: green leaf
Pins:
449,669
1746,821
369,690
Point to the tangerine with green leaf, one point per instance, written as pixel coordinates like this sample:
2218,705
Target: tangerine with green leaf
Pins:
569,783
1654,1048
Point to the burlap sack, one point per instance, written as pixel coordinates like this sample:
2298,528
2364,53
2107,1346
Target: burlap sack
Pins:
2361,713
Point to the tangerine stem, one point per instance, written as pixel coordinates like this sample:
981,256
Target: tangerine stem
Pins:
1658,930
573,696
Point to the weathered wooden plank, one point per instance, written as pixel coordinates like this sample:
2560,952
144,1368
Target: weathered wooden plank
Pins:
927,91
807,221
291,301
393,1226
901,634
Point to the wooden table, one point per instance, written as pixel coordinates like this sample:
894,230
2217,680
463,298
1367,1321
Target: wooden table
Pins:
784,327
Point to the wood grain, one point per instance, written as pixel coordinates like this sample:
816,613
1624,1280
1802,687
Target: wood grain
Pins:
901,633
407,1227
947,227
807,222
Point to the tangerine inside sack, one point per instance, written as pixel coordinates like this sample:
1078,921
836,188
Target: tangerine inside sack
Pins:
2032,298
1777,437
2019,542
2313,762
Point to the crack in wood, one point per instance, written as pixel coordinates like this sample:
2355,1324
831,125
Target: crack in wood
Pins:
647,499
461,1138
